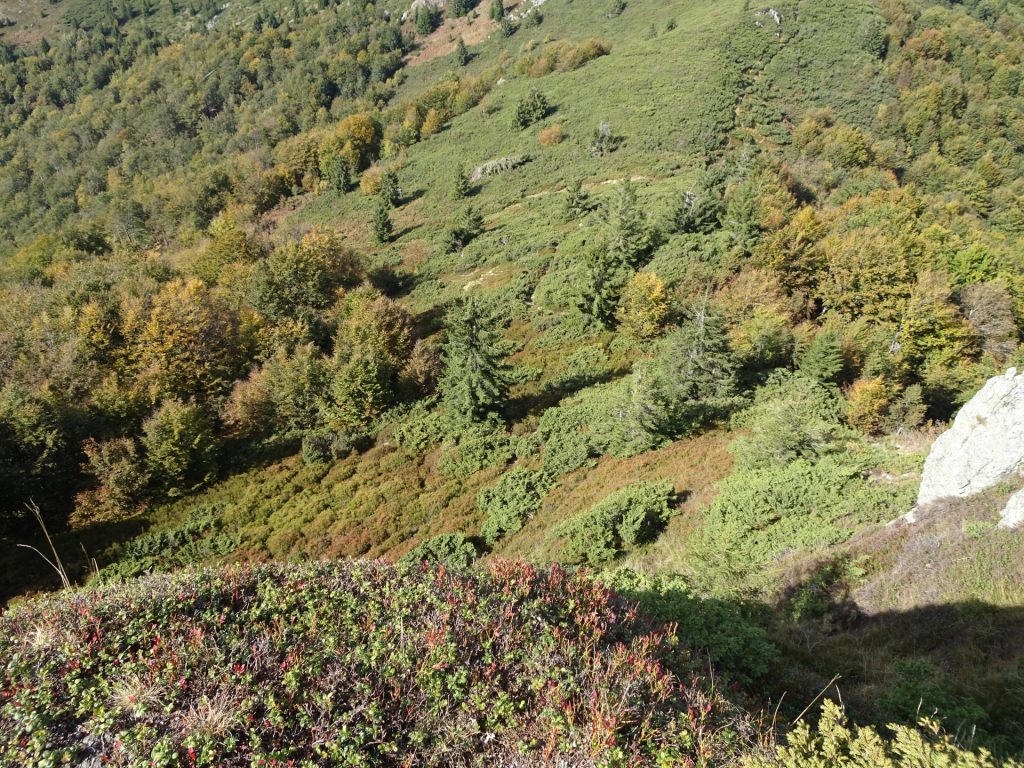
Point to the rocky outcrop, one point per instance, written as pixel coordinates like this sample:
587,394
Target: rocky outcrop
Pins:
984,446
1013,512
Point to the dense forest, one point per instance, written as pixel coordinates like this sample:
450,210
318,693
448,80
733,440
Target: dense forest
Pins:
673,292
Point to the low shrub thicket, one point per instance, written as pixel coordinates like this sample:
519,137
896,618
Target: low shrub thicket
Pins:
450,549
511,502
629,517
353,663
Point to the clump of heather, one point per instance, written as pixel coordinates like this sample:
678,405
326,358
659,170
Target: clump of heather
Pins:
347,663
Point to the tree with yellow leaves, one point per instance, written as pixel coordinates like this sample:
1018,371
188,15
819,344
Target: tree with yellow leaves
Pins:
644,306
184,344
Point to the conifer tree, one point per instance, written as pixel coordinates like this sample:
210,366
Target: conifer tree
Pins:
390,191
630,237
692,380
497,10
603,281
475,378
382,227
461,53
823,358
460,184
577,203
457,8
426,19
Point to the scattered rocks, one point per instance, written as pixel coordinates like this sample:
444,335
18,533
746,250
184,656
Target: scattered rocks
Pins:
502,164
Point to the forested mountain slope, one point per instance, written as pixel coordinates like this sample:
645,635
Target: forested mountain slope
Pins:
676,291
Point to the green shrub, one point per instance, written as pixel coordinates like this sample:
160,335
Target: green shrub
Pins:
600,419
196,539
624,520
325,445
761,514
725,631
833,743
507,505
453,550
420,428
921,687
475,446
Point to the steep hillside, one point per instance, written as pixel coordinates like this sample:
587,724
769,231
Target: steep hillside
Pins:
675,290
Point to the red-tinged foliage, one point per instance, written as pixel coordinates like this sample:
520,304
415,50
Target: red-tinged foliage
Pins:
354,663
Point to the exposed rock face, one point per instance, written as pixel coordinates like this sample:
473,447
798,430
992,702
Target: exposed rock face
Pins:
1013,513
984,446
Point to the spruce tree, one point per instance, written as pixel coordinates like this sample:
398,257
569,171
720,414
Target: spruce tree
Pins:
630,238
604,278
460,184
426,19
823,358
461,53
382,227
693,378
577,203
457,8
497,10
390,191
475,378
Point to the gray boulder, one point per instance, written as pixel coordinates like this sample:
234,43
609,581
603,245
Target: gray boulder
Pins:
984,445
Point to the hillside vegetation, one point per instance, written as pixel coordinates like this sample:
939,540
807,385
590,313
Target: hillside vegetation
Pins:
676,291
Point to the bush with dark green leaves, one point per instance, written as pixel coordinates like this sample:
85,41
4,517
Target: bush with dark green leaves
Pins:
452,550
624,520
472,446
761,514
730,633
325,445
511,502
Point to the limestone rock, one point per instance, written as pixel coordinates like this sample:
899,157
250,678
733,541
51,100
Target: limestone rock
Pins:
984,445
1013,513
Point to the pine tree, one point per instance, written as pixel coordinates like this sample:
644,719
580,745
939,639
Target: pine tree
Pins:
461,53
472,222
460,184
701,208
382,227
457,8
743,218
426,19
497,10
531,108
475,378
